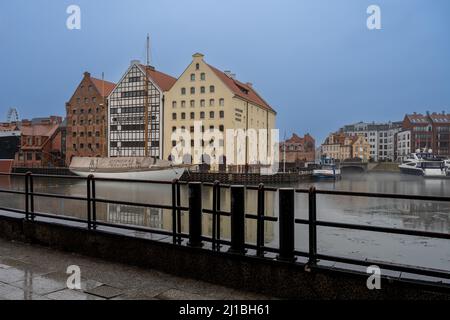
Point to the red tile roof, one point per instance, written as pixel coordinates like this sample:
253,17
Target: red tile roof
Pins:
242,90
108,86
164,81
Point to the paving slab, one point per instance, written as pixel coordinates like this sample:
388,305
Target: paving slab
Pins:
32,272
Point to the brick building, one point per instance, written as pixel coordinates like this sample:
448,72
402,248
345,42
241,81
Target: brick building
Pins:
40,143
296,149
87,122
429,131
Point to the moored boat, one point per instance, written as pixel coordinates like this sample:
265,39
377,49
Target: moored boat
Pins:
134,168
425,164
327,170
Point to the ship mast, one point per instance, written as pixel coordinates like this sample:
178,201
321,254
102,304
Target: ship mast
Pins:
146,104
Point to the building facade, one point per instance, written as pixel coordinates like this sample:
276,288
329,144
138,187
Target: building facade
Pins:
340,146
40,143
403,144
298,149
136,112
216,99
86,127
380,136
429,131
360,148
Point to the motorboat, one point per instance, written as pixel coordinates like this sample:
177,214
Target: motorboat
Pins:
327,170
133,168
425,164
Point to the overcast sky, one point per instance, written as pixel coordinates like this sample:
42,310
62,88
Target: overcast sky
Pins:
314,61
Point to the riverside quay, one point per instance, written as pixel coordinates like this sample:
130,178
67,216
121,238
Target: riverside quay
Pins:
271,241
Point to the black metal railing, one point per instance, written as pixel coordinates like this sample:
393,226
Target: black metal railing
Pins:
236,245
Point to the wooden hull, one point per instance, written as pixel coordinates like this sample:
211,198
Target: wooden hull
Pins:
169,174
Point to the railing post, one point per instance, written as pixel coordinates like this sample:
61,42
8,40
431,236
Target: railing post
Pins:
216,187
174,211
237,219
286,224
260,222
89,198
195,214
31,196
178,211
312,227
27,195
94,205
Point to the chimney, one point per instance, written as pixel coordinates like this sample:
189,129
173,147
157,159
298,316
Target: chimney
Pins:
87,74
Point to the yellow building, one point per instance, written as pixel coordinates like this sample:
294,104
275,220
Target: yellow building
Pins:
361,148
221,102
342,147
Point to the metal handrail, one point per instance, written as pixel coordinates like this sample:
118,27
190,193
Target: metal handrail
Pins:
238,243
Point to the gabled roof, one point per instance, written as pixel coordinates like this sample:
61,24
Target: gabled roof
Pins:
242,90
109,86
162,80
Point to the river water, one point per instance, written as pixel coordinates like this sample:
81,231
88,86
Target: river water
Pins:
407,214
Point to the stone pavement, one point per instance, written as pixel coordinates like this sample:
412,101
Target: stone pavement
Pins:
31,272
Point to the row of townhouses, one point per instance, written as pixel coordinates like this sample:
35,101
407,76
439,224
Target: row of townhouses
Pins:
138,115
394,140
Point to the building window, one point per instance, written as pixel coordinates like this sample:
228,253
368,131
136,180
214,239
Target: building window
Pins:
211,102
211,114
192,77
197,66
90,88
29,156
74,134
192,103
81,146
202,115
192,115
174,116
183,104
203,76
222,102
202,103
192,90
202,90
174,104
192,129
94,99
222,114
221,128
174,129
183,91
183,116
86,100
212,89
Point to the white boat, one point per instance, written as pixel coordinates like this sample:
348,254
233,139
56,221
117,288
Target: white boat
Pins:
425,164
327,170
134,168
